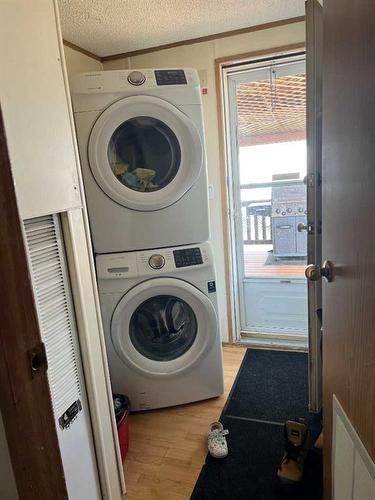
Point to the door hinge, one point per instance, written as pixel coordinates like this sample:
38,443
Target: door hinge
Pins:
38,359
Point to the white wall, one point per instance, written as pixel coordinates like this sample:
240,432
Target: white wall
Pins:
202,57
353,471
8,488
77,62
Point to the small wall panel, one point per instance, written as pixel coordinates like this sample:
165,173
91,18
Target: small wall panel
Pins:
353,469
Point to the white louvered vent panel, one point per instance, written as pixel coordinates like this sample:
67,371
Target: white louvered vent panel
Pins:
51,289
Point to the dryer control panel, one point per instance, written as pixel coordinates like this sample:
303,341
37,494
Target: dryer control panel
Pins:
170,77
187,257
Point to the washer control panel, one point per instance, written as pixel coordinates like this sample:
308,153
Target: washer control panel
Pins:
156,261
187,257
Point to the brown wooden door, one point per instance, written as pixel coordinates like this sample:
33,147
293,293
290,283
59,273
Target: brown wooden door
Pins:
348,235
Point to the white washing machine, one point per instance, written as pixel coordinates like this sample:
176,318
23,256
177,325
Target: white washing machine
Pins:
160,319
141,141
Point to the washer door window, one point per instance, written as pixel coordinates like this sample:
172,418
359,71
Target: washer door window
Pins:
163,326
144,153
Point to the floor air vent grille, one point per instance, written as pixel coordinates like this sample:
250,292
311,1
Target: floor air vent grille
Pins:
54,307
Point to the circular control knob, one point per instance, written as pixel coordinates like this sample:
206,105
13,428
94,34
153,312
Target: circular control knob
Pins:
283,213
156,261
289,210
277,210
300,209
136,78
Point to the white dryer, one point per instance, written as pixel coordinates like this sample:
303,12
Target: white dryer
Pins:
141,142
160,320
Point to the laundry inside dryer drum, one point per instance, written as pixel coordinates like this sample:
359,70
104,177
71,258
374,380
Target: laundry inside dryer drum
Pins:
163,328
144,154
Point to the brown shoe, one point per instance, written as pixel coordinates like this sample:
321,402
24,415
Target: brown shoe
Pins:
297,444
319,441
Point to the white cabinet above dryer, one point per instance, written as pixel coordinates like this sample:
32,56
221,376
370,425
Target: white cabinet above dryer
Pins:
41,151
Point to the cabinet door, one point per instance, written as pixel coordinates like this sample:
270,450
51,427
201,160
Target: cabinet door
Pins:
35,109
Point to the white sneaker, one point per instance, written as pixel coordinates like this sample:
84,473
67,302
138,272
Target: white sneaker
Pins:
217,443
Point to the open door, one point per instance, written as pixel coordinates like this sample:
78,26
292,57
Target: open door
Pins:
348,243
314,42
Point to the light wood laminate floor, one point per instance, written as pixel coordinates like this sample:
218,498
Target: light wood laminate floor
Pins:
168,447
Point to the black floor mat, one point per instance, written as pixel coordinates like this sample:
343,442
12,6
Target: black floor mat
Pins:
272,386
249,471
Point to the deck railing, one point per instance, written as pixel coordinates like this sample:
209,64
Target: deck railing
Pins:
256,216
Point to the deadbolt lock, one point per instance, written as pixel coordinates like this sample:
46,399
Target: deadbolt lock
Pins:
315,273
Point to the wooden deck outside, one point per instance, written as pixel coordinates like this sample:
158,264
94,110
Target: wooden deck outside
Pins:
255,264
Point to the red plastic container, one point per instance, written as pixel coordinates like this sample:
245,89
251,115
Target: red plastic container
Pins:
123,434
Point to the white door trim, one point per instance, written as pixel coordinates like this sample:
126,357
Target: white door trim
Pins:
230,76
87,308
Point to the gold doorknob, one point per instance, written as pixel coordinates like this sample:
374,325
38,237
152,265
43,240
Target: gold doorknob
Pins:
315,273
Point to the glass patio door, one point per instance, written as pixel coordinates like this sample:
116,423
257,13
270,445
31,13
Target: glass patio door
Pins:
265,106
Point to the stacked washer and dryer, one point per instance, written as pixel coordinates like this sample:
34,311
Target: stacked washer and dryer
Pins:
141,142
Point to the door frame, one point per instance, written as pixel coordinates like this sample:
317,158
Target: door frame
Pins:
225,167
25,400
314,77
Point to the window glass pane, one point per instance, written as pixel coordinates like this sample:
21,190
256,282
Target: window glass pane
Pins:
272,126
163,328
270,162
273,245
144,154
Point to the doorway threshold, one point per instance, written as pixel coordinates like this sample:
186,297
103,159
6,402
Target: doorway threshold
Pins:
272,341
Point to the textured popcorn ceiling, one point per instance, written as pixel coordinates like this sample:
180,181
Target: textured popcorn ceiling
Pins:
107,27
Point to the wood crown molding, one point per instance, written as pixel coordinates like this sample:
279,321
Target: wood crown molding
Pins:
191,41
81,50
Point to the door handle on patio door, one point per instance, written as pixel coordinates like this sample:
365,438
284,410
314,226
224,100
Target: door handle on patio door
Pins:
315,273
309,227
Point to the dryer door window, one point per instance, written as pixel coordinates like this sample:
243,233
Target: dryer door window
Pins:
145,153
163,328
